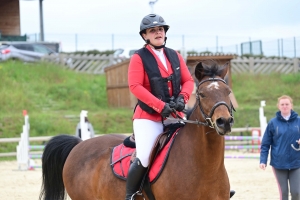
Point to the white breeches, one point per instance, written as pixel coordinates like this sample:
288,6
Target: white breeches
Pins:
146,132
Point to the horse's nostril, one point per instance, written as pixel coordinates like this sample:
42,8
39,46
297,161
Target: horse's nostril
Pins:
221,121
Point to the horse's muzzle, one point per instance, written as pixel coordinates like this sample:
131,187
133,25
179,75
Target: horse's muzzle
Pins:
223,125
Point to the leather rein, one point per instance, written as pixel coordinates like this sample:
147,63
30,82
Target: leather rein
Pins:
208,122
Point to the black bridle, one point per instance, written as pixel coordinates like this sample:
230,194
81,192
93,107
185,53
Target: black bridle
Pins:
208,117
208,122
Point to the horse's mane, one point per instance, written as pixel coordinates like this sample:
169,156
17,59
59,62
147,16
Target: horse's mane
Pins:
211,68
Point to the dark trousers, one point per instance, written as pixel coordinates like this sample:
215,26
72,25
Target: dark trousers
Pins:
288,182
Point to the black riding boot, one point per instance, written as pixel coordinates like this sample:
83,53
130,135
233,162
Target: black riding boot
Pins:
135,176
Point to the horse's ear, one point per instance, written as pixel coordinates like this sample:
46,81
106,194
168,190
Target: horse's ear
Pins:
225,70
199,71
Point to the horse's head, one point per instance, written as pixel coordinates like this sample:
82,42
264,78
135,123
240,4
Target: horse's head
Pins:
213,96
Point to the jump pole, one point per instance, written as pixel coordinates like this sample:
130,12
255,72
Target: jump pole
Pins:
85,134
24,158
262,119
23,146
242,156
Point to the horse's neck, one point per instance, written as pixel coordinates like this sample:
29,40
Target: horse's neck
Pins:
204,139
205,142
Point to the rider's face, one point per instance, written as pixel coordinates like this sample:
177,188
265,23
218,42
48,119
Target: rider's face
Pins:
156,35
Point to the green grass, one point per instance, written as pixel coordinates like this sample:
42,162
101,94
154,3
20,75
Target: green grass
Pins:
49,93
250,90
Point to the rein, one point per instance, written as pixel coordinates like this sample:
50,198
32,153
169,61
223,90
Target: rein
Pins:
208,122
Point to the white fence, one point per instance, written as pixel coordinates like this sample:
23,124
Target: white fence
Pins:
264,65
93,64
47,138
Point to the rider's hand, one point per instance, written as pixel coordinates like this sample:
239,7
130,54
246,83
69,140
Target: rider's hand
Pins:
179,101
166,111
262,166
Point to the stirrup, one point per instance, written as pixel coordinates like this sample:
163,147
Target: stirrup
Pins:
138,193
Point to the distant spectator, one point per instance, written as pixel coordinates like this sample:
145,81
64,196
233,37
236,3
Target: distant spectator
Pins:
282,135
90,129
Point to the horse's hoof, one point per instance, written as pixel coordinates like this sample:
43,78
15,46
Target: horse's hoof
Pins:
232,192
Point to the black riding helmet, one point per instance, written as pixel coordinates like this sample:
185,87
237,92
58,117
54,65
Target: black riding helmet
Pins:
150,21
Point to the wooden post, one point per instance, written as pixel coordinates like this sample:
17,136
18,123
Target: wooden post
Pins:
111,59
251,65
296,65
61,59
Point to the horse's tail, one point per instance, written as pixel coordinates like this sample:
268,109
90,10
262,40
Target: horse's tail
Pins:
54,157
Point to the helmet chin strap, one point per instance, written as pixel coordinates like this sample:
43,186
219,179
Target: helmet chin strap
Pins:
157,47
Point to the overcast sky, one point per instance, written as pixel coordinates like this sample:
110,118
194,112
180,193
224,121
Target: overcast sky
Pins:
261,19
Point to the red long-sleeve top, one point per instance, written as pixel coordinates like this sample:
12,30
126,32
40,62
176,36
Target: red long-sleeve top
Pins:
139,85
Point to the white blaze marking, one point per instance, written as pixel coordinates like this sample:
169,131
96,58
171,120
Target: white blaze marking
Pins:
213,84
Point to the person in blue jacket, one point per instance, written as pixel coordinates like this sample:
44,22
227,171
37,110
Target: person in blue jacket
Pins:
283,136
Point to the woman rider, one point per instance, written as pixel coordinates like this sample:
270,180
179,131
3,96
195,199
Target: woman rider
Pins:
156,74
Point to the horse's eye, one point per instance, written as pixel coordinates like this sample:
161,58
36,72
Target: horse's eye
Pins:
201,95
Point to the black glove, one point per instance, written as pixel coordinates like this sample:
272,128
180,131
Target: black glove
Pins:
172,103
179,103
166,111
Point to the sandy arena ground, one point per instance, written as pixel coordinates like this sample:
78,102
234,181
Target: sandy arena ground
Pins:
246,179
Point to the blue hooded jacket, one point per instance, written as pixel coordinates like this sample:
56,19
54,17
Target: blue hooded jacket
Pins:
279,135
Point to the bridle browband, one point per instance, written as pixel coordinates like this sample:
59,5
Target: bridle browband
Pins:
208,122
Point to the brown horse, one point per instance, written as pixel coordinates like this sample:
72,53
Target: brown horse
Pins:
195,167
